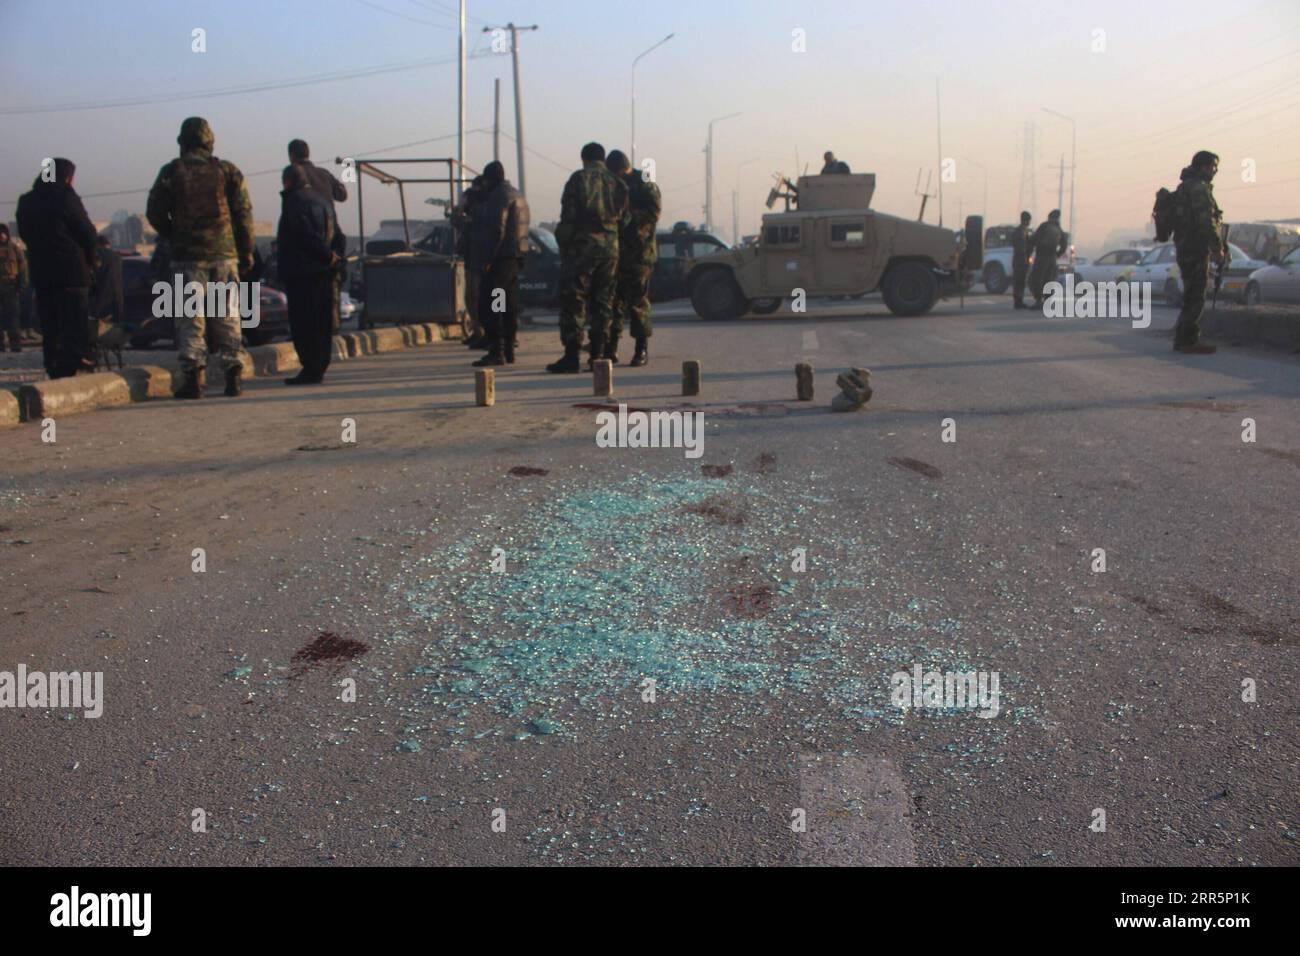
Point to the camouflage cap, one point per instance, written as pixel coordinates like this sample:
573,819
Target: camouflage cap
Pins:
195,132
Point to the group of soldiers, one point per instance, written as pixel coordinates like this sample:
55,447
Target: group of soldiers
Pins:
1047,244
609,214
1197,234
199,207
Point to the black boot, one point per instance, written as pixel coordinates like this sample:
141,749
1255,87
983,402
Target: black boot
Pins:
234,385
492,358
570,361
611,349
509,352
191,384
642,354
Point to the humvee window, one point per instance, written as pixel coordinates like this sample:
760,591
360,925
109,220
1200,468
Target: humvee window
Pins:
848,233
782,235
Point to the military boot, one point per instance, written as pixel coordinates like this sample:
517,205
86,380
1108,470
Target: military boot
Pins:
611,349
570,361
234,383
642,355
191,384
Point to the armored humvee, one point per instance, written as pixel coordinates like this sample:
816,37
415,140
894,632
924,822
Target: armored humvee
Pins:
829,241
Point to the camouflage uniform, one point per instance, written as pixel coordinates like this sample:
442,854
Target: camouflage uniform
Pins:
638,251
1020,249
1197,238
199,206
1049,244
13,282
591,210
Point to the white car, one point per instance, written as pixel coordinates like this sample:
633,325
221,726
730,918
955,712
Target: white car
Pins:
1279,283
349,310
1107,268
1160,267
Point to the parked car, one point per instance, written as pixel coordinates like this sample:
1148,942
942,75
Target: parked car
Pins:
678,248
1107,267
539,282
1160,267
273,323
1275,283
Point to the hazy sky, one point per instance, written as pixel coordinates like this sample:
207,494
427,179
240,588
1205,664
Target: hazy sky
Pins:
1147,82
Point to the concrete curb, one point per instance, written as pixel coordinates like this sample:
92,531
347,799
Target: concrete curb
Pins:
138,383
10,410
1276,330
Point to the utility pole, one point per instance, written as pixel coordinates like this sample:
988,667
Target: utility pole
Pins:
460,103
1028,164
496,119
1073,160
519,107
938,125
1060,181
634,63
708,172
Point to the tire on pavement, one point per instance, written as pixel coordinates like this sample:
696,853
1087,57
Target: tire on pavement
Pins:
995,278
910,288
716,296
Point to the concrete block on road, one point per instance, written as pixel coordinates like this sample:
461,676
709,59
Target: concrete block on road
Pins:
273,359
148,381
9,408
691,378
803,382
602,378
485,389
66,396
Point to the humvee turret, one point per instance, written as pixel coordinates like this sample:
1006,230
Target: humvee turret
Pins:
829,241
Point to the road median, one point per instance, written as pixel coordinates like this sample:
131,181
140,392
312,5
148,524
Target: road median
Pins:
34,401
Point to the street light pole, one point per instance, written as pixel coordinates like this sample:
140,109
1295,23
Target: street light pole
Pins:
1074,240
634,63
519,109
708,172
984,210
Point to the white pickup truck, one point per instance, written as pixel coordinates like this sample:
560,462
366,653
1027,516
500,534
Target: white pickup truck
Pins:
996,274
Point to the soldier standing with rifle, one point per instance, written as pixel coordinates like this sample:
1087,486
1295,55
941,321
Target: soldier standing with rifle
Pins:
1020,248
1198,240
637,253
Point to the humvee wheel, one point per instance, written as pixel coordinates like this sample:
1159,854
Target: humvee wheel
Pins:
910,288
765,306
995,278
716,297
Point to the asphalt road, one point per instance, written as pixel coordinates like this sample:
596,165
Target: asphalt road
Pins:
520,698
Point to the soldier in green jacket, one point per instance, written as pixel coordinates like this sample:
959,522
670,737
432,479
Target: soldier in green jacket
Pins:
591,211
199,205
1198,241
637,254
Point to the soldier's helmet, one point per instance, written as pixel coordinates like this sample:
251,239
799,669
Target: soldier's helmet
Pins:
196,134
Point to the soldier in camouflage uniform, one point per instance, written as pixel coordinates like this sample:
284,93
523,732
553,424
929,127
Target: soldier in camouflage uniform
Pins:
592,209
637,253
199,206
1020,248
1198,241
1049,244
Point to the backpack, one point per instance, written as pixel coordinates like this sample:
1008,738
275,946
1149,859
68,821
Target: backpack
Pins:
200,203
1169,213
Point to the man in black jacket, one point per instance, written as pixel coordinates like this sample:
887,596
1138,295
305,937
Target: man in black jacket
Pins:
499,244
60,242
331,190
309,246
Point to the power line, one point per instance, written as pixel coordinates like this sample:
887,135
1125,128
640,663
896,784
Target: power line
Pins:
394,13
262,87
